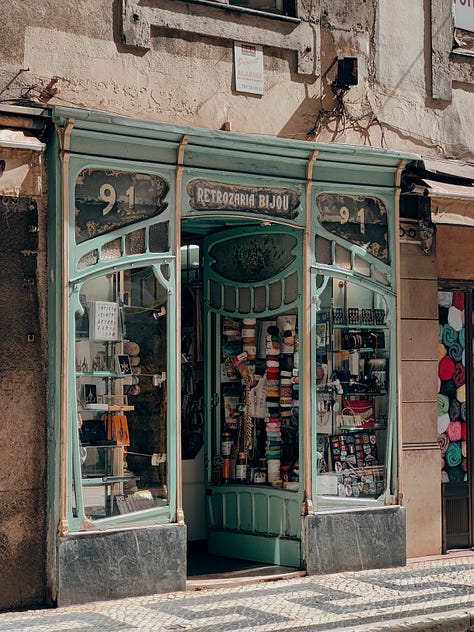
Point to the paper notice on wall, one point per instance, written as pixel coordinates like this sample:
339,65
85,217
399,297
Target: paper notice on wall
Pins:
248,68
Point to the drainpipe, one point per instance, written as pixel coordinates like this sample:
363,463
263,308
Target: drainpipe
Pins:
65,144
307,507
177,246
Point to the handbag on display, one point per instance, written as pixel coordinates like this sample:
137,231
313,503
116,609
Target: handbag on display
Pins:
362,410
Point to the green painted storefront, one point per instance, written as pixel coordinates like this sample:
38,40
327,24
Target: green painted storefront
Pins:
287,230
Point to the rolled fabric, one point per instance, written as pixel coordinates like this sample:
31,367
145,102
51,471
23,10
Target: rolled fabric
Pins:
443,463
443,422
445,368
462,337
453,432
458,300
461,393
443,443
459,375
443,404
456,475
464,465
455,352
443,314
448,387
445,299
449,335
442,351
444,477
463,431
453,454
455,318
454,410
464,448
463,411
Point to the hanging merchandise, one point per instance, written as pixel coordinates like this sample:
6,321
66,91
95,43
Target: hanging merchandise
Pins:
260,412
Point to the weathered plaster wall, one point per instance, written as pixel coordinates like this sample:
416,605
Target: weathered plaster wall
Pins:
23,393
187,78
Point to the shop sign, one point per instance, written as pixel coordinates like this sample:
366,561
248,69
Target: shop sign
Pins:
248,68
358,219
215,196
464,14
106,200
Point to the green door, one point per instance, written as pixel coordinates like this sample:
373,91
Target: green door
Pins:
252,308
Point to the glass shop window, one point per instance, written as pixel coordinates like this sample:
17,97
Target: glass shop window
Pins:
352,391
121,390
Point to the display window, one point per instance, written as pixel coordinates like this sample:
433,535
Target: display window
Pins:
353,351
121,392
122,350
253,318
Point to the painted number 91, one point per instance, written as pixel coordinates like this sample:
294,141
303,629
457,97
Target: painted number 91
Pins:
108,194
360,217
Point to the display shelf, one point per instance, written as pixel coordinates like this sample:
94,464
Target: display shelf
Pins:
356,326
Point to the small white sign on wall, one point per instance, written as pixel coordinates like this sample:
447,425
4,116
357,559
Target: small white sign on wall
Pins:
248,68
464,14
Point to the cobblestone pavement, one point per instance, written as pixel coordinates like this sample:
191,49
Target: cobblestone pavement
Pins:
432,594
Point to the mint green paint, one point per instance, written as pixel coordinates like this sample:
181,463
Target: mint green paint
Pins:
104,140
245,513
260,548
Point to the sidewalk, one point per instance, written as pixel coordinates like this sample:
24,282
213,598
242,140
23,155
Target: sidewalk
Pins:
435,594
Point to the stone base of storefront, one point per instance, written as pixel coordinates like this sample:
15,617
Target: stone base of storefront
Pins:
121,563
355,540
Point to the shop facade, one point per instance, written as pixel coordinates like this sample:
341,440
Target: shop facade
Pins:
223,309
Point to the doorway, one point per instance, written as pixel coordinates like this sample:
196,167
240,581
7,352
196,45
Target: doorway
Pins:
241,491
455,436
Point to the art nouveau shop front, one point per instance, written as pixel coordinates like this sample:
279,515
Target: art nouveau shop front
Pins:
225,310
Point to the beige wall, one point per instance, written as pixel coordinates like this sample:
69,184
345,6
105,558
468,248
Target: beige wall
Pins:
79,58
420,464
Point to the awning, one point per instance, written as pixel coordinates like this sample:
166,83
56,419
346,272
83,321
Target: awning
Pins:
450,186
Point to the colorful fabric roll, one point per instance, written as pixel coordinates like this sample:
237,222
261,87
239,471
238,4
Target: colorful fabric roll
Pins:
455,352
445,299
449,335
453,431
453,454
448,388
461,393
444,477
459,375
443,404
443,442
455,474
458,300
454,410
442,351
443,422
455,318
464,448
463,431
443,314
446,368
462,338
464,465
